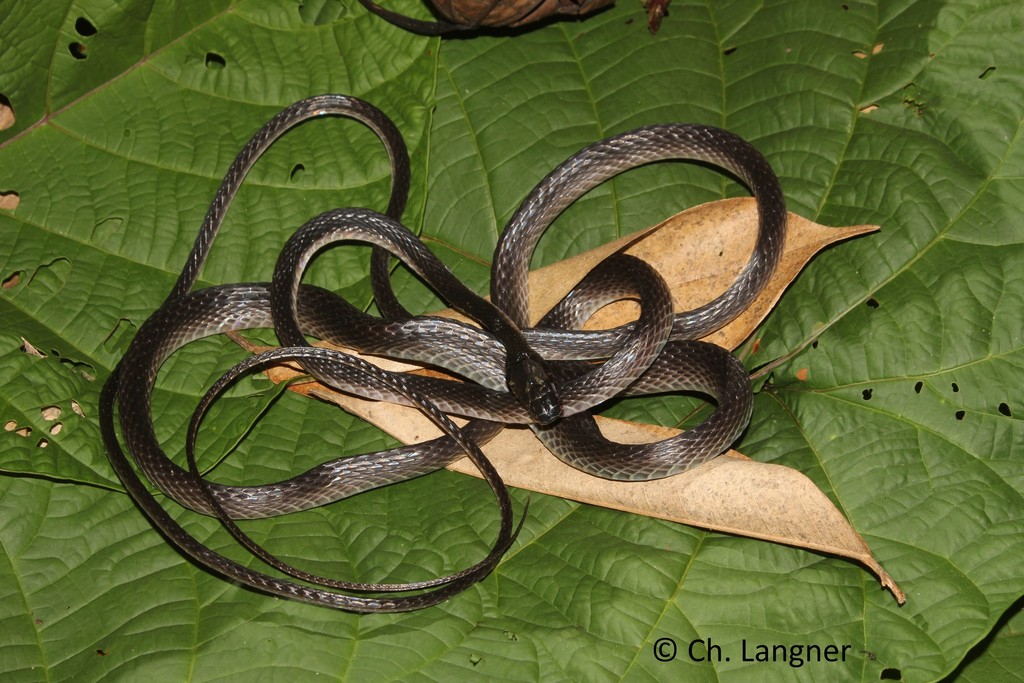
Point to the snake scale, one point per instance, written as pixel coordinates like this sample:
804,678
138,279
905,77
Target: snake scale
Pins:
548,376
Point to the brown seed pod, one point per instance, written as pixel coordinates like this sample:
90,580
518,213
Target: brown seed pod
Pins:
513,13
461,15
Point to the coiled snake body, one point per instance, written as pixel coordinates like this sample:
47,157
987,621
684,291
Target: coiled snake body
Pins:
515,374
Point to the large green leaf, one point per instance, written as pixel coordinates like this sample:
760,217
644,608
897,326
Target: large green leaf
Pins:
906,114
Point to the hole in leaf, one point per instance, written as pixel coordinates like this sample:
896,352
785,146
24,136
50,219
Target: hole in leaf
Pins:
23,431
955,387
11,282
814,344
728,51
50,413
55,429
119,337
868,109
84,27
9,201
297,171
872,302
860,54
26,347
918,387
960,414
76,408
914,99
215,61
1005,409
10,426
891,674
77,50
844,7
80,367
42,443
83,369
6,112
986,73
867,394
52,275
107,228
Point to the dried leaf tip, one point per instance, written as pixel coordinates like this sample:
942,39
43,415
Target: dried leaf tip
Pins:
656,11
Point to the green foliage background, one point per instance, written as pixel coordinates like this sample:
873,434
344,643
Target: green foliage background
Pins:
904,113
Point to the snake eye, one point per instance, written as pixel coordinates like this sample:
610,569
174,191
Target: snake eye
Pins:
528,380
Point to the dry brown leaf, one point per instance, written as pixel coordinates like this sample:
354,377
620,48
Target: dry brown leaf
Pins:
731,494
699,252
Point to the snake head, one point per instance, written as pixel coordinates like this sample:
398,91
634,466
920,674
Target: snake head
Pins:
528,380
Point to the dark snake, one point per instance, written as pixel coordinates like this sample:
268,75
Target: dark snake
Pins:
543,376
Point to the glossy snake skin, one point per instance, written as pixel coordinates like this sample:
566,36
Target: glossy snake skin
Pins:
543,376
